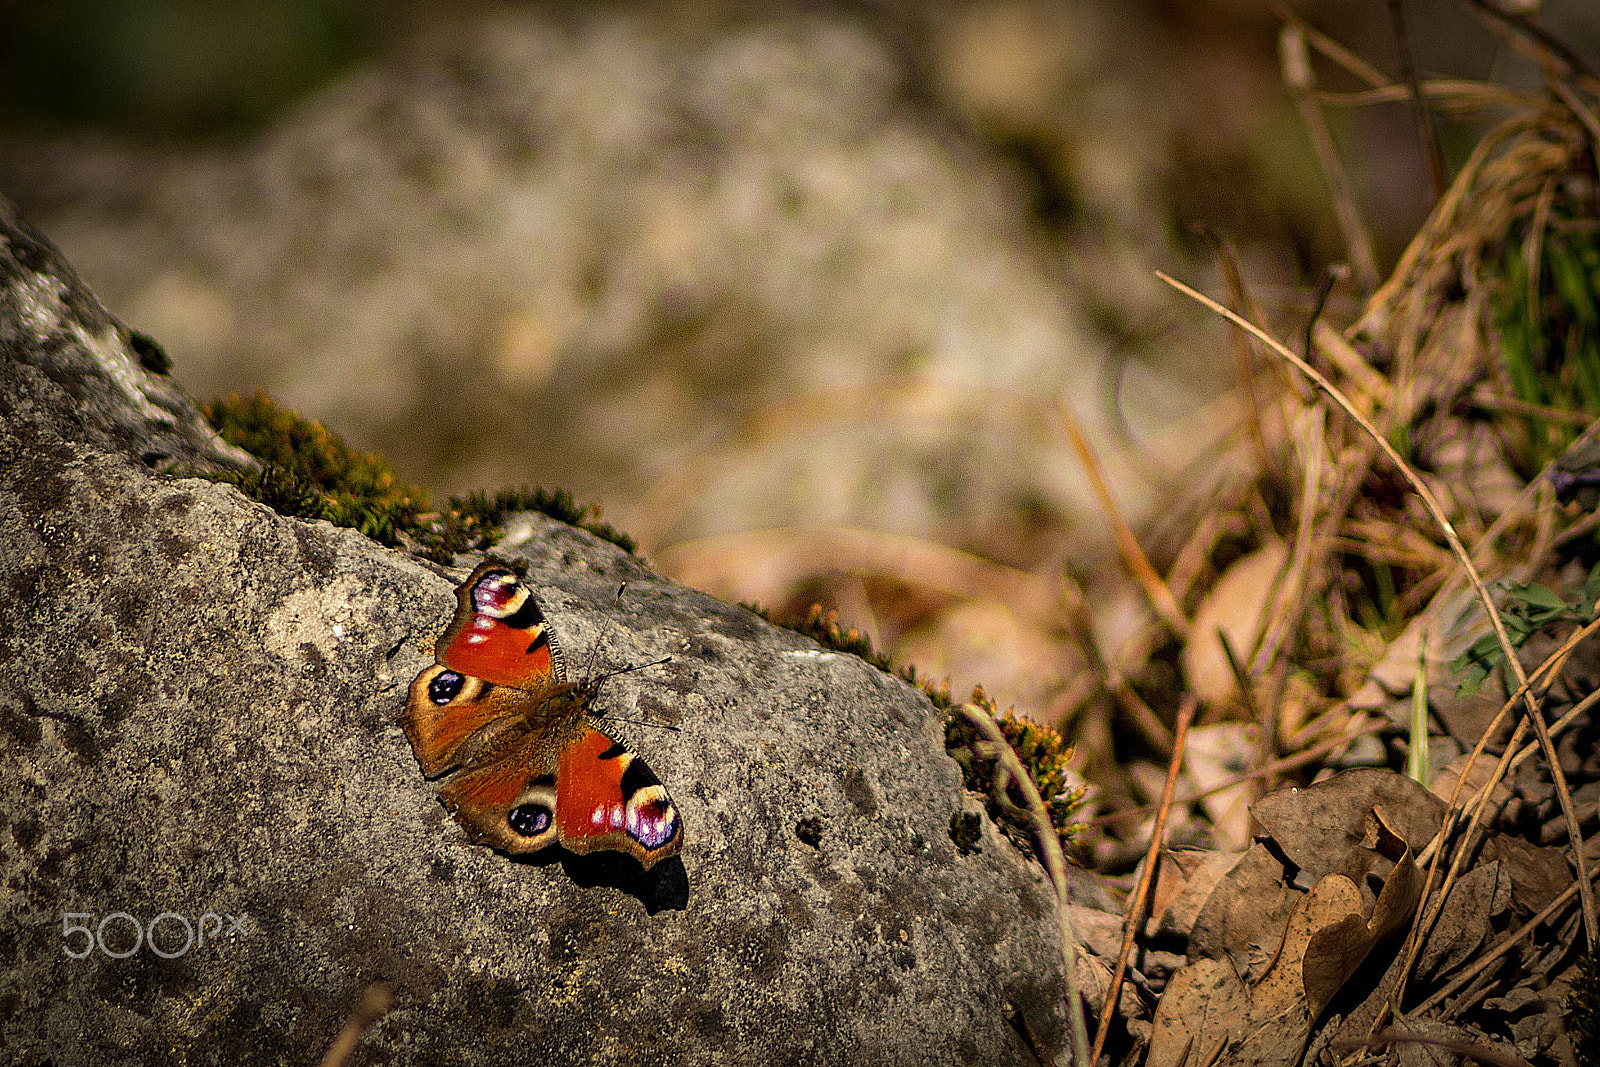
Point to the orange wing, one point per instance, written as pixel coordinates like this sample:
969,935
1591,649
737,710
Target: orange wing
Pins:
598,796
497,641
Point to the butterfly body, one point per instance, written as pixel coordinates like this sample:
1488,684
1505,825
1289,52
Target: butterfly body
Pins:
528,765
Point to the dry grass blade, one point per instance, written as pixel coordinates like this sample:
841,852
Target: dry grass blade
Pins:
1478,805
1436,512
1478,1053
1055,865
1506,944
1331,48
376,1000
1296,61
1419,103
711,562
1448,94
1133,556
1282,766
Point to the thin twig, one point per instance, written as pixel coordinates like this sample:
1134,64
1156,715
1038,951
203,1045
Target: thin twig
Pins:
1534,42
1139,905
1543,676
1128,547
1243,350
1286,604
1489,1057
1330,277
1505,945
1055,865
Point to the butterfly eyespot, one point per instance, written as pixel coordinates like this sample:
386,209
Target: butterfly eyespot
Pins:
443,688
529,820
499,594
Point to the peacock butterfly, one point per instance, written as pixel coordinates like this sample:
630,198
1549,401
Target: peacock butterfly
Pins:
527,764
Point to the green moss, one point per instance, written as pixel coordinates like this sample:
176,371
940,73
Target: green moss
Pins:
474,522
1042,749
823,628
151,356
309,472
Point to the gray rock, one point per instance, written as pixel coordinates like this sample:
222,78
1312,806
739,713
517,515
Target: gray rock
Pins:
199,716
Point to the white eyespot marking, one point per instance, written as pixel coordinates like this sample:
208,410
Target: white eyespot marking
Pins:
652,819
499,595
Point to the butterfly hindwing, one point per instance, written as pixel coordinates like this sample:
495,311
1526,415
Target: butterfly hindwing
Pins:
530,766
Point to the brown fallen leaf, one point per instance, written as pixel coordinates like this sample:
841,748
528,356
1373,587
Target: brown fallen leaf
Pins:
1465,923
1538,875
1321,828
1203,1004
1187,882
1278,1024
1338,950
1236,606
1243,918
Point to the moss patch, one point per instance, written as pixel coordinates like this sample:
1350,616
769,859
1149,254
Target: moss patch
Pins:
309,472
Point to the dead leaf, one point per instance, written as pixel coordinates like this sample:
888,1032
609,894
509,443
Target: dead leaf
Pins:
1338,950
1218,753
1236,605
1321,828
1203,1003
1193,878
1538,875
1465,922
1279,1021
1098,931
1243,918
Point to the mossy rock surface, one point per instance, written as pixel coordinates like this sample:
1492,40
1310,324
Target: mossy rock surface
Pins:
199,715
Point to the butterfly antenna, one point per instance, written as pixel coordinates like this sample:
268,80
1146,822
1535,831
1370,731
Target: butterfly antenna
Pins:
596,680
642,722
636,667
630,670
594,650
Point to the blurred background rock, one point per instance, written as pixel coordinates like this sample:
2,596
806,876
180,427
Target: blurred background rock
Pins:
794,291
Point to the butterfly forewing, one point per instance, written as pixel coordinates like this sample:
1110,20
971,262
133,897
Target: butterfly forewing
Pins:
608,798
499,633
